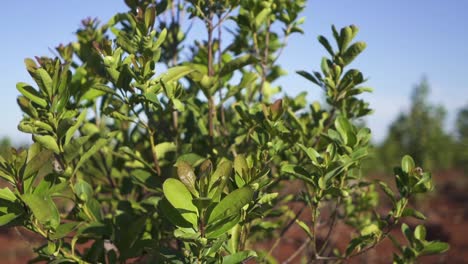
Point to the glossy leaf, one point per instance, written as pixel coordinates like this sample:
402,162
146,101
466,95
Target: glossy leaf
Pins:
231,204
179,197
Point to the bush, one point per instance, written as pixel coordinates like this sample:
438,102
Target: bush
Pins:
185,166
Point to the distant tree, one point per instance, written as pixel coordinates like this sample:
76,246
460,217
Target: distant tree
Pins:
462,123
5,144
462,139
419,133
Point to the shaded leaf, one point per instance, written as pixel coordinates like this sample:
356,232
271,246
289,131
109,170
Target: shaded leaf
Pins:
43,208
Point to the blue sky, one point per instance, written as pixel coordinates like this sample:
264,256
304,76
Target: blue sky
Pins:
406,40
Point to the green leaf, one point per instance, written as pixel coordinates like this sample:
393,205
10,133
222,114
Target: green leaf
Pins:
161,37
46,80
71,131
326,45
304,227
387,191
407,233
241,167
370,229
420,232
179,196
220,228
178,105
191,158
231,204
172,214
43,208
344,127
92,209
175,73
413,213
104,88
7,218
358,243
31,93
298,172
7,194
36,163
352,52
261,17
162,149
239,257
236,64
311,153
90,152
224,169
48,142
407,164
309,77
435,247
83,190
63,230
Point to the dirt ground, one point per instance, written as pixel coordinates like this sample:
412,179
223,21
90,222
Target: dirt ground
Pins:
446,209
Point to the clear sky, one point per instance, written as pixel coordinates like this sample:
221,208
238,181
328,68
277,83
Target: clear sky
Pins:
406,40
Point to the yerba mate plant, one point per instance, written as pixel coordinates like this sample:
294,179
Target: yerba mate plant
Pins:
152,147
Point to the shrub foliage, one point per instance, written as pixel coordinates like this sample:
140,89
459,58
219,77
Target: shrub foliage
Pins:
150,147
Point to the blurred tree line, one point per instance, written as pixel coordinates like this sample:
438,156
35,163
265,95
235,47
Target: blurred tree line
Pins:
420,133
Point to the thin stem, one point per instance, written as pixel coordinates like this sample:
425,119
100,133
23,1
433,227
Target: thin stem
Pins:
285,229
211,104
298,251
332,225
153,152
264,63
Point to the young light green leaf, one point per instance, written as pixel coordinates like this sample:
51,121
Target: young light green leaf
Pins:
407,164
7,194
162,149
420,232
304,227
261,17
175,73
48,142
236,64
31,93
